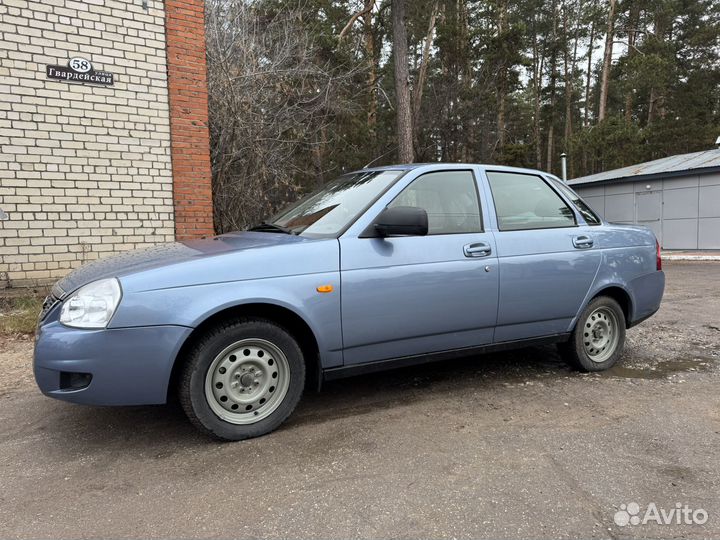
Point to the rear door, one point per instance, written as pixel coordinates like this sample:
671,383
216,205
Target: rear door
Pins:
546,256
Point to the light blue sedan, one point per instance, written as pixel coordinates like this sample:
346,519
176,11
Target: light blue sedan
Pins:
381,268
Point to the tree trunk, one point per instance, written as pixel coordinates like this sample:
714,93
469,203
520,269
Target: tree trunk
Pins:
501,80
538,59
422,74
586,112
402,84
568,82
607,62
550,149
372,62
553,79
652,113
570,64
633,21
318,153
465,69
656,107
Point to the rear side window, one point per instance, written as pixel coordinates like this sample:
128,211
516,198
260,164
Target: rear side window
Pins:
590,217
525,201
450,199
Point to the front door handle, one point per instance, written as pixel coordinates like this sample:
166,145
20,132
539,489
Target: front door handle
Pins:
583,242
479,249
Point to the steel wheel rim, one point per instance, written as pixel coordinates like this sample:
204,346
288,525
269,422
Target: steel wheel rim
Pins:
600,334
247,381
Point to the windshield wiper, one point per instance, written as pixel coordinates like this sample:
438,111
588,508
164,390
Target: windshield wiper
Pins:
270,227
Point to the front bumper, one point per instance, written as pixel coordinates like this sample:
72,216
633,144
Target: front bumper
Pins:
126,366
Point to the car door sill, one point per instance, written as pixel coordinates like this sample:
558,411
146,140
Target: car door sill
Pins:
406,361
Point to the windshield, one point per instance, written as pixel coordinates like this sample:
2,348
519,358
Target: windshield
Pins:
590,217
330,210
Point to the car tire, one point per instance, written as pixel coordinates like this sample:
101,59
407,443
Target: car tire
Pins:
242,379
597,341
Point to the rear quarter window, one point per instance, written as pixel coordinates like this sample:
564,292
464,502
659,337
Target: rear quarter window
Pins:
590,217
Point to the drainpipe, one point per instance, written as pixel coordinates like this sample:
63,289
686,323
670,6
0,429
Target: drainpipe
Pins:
563,166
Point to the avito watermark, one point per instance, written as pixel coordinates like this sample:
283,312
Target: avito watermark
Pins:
680,514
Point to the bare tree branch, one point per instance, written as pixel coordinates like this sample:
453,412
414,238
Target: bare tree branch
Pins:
271,94
367,9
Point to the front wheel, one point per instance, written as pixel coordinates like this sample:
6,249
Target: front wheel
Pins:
242,379
599,336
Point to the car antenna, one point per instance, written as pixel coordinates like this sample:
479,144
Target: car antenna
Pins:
380,156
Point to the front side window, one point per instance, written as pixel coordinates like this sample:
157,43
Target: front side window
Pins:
330,210
449,198
525,201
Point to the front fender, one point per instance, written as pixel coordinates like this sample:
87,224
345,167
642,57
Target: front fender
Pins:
190,306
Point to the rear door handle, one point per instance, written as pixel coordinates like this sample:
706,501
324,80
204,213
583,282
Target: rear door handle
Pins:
583,242
479,249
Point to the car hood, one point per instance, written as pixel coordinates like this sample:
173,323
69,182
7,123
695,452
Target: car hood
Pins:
172,255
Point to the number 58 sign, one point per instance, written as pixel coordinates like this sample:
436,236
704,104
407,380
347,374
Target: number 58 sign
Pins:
80,70
79,64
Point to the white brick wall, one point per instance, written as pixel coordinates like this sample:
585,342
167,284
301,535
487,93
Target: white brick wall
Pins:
84,170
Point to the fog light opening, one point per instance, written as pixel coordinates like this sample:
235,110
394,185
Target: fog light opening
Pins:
74,381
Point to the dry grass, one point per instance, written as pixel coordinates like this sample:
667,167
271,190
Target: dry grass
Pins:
19,314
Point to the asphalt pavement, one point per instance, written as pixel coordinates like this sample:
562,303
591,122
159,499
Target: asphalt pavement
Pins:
505,445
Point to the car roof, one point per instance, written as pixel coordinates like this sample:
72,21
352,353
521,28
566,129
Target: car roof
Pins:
442,165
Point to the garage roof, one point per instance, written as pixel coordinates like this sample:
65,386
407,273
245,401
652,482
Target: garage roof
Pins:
698,162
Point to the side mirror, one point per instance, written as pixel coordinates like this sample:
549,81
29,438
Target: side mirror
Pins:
399,221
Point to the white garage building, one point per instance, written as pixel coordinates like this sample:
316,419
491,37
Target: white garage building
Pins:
678,197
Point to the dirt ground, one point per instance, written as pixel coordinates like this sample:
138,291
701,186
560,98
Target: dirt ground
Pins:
500,446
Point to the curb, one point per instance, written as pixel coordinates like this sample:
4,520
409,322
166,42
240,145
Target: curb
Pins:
690,257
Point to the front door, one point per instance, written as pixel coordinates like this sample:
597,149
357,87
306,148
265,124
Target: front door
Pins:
547,262
409,295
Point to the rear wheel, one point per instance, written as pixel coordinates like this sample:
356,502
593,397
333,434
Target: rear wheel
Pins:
242,379
599,336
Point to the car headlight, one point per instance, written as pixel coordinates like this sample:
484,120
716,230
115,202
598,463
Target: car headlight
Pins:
93,305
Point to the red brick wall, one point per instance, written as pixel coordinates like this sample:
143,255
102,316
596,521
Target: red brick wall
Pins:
187,83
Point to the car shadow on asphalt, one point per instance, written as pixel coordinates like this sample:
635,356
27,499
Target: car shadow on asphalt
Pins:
448,378
151,428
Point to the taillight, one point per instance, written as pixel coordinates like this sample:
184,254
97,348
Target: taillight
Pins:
658,263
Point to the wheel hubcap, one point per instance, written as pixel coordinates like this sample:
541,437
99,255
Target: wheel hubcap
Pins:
600,335
247,381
